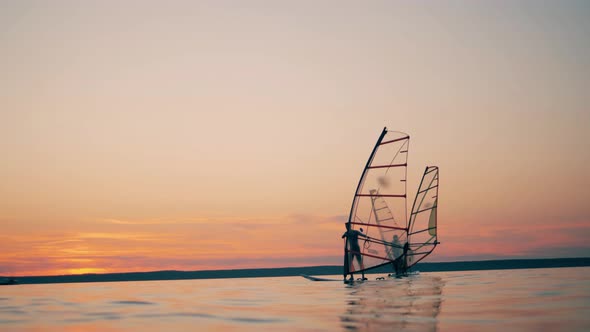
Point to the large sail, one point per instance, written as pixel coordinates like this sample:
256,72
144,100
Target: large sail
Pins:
379,206
422,235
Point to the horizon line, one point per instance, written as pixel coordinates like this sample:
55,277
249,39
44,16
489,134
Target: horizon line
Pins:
278,268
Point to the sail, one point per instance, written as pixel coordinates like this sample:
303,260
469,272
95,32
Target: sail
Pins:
379,206
422,235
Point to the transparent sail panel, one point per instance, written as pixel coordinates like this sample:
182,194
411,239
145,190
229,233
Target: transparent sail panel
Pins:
379,206
422,234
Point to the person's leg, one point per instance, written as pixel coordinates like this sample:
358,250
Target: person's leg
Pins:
346,264
359,258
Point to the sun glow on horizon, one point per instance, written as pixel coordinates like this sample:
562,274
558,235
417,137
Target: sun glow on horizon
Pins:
84,270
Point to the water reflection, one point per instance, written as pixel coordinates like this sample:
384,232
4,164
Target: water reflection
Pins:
406,304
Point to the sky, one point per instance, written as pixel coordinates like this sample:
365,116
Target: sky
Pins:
192,135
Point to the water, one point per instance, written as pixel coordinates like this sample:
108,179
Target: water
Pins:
508,300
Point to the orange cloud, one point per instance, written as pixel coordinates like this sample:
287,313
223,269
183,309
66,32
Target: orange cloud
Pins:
228,243
202,243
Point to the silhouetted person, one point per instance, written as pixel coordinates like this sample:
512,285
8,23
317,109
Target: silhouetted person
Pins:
396,247
354,250
400,254
405,255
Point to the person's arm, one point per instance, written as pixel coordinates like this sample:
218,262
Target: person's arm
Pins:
343,235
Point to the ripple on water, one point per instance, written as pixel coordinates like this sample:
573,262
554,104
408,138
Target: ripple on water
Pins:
241,302
175,314
12,310
549,293
246,320
12,321
133,302
450,301
256,320
104,315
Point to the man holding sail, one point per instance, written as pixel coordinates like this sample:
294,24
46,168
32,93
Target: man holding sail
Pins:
354,251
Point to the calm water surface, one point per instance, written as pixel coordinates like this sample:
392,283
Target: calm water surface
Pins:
508,300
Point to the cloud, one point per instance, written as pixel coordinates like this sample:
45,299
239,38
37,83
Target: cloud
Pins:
225,243
197,243
235,221
501,241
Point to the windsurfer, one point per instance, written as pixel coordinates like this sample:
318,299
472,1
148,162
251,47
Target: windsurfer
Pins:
399,256
354,250
400,264
404,262
397,247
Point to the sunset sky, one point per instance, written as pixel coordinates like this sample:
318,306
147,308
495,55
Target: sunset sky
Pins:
189,135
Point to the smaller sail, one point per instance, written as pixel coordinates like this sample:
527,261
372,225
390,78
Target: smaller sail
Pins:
422,235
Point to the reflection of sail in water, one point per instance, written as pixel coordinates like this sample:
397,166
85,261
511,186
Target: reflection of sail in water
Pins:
408,304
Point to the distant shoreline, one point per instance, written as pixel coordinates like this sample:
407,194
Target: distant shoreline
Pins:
507,264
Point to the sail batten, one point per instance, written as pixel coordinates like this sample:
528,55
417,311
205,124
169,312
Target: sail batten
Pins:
395,140
427,209
388,166
422,230
425,190
378,195
380,226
